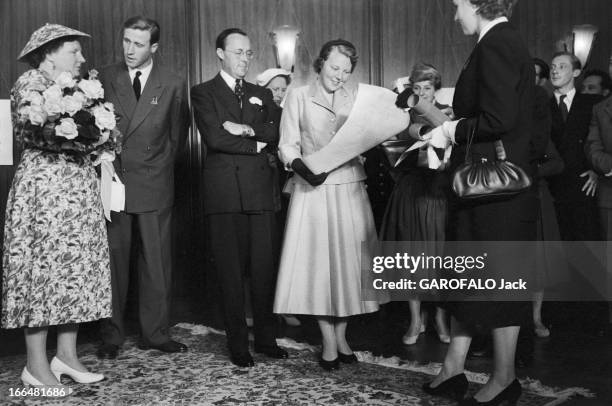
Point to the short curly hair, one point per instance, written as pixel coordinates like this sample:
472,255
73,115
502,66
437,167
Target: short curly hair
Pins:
344,47
492,9
424,71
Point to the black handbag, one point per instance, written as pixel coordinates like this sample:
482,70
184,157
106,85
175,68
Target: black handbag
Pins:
489,179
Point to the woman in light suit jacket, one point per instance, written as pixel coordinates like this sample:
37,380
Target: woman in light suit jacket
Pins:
329,214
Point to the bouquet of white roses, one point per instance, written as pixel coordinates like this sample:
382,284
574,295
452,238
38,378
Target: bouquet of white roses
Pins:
69,116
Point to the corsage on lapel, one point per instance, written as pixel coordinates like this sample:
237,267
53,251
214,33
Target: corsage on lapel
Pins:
256,100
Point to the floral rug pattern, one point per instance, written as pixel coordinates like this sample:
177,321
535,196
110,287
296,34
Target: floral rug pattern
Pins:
204,376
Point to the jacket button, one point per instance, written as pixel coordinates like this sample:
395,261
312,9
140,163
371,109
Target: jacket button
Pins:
148,148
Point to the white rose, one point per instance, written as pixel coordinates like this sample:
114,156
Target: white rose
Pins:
53,92
53,102
67,128
37,115
105,120
80,97
92,88
71,105
65,80
33,97
24,112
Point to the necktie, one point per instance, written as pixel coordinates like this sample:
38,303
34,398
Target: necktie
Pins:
136,84
563,107
239,91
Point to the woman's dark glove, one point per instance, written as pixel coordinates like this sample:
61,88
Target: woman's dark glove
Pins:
402,98
301,169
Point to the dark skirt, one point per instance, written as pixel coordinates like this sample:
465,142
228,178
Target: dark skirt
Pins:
418,206
417,216
513,219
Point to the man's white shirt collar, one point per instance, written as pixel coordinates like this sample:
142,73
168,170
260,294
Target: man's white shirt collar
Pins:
490,25
144,74
230,80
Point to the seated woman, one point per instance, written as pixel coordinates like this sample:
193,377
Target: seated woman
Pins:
417,209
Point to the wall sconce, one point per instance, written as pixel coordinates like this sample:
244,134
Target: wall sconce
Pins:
284,39
584,36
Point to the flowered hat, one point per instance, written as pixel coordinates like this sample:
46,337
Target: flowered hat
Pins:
46,34
266,76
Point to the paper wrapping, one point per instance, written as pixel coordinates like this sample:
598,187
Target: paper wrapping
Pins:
6,133
435,117
374,118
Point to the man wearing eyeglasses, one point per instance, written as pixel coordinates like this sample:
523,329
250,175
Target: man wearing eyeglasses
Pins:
236,120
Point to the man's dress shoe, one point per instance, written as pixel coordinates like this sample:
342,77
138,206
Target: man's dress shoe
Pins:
168,346
107,351
272,351
242,360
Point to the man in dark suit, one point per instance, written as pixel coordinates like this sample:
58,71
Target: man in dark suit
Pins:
236,120
574,188
153,114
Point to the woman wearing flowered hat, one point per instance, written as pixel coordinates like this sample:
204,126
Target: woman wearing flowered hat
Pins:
56,257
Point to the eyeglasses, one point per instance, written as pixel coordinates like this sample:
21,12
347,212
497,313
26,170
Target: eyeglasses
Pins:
240,52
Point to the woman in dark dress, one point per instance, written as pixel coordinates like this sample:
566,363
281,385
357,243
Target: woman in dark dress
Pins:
494,97
417,209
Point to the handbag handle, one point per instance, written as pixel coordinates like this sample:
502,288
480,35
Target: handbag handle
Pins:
500,151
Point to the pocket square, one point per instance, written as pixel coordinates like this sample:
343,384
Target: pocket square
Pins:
154,100
255,100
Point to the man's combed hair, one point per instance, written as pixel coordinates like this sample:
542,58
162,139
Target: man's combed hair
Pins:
576,65
606,82
220,42
492,9
145,24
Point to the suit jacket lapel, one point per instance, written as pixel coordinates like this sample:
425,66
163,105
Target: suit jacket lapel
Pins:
317,97
122,86
149,98
228,98
248,109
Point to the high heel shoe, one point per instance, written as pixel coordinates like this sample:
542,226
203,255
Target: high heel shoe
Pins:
347,358
508,397
453,388
29,380
59,368
541,332
444,338
329,365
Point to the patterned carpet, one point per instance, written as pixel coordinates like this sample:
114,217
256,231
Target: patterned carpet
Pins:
204,376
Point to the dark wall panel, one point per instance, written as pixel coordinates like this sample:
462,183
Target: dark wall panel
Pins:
102,19
319,21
